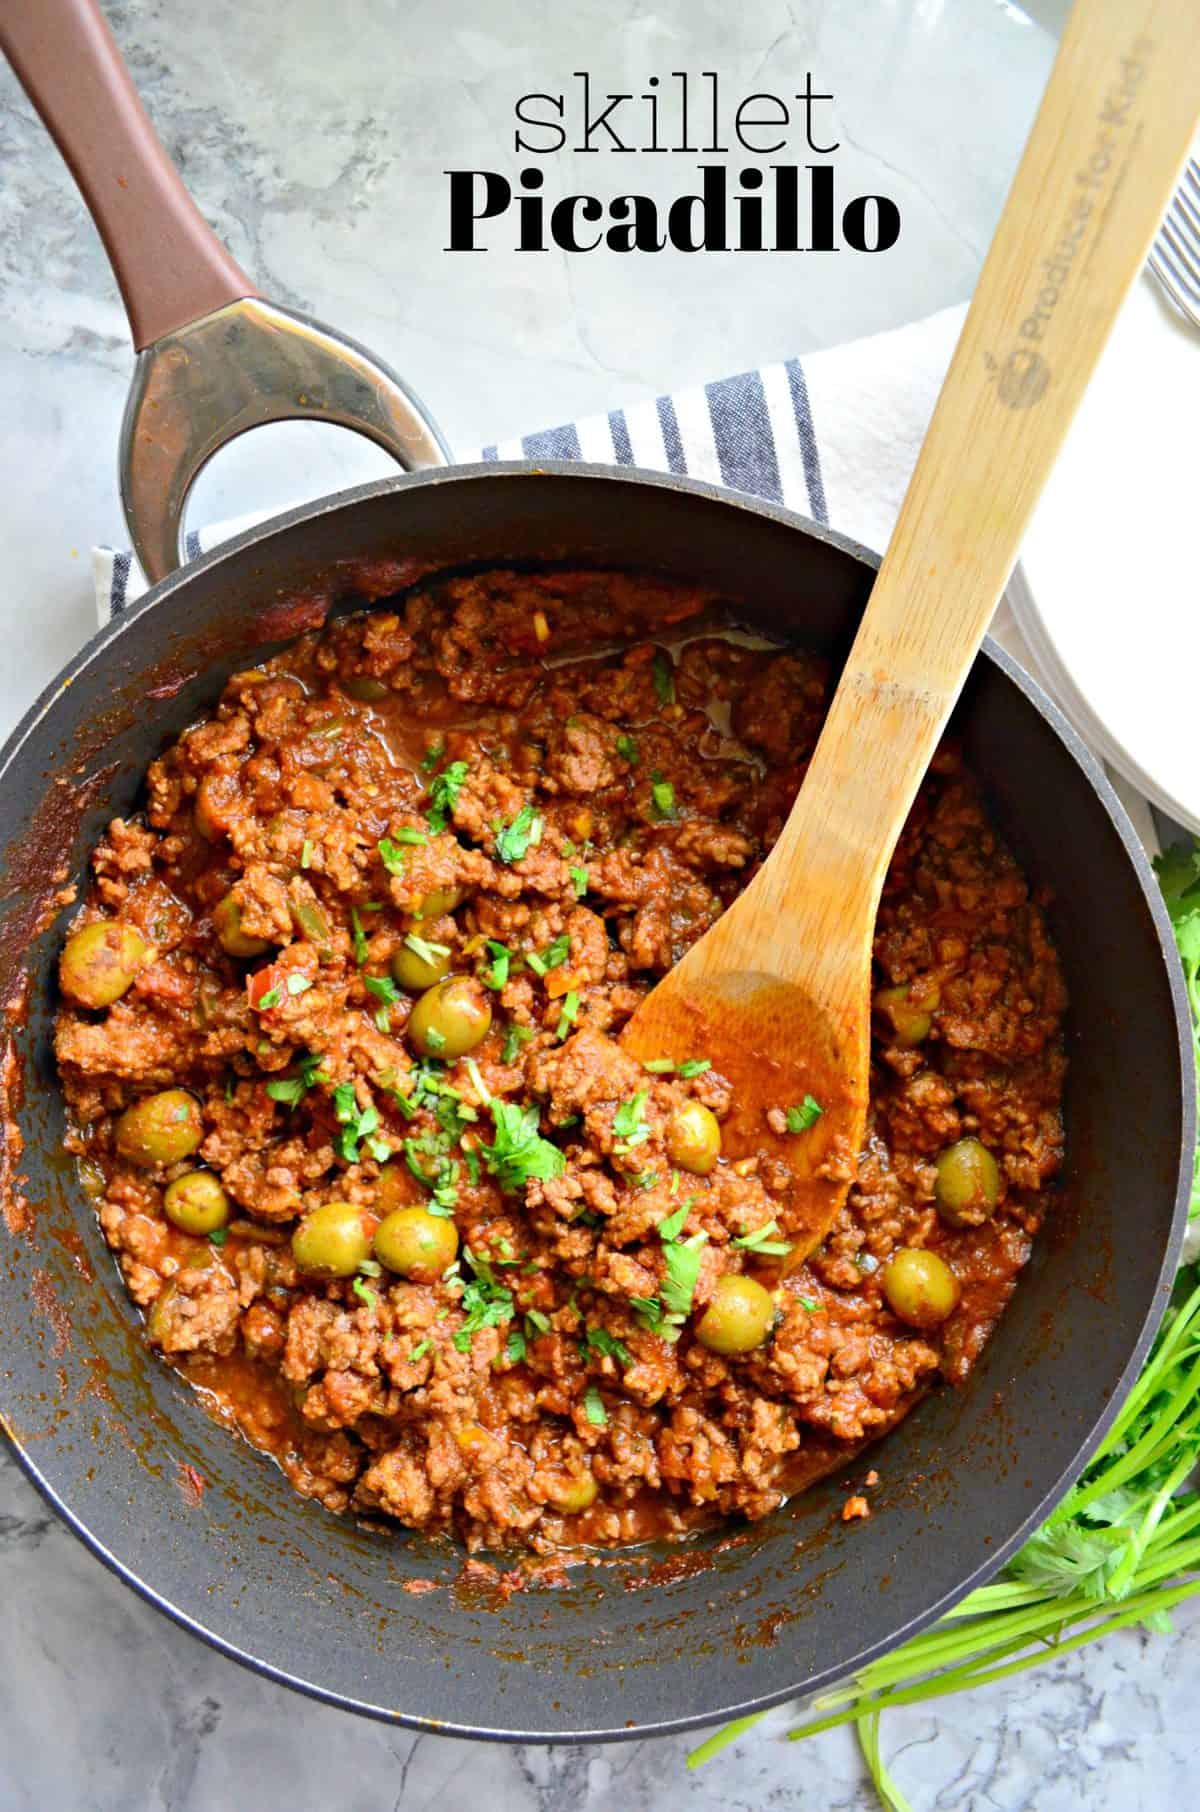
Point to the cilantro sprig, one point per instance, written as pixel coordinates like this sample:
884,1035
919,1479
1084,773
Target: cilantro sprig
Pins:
515,840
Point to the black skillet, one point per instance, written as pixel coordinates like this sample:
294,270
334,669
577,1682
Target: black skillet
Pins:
656,1640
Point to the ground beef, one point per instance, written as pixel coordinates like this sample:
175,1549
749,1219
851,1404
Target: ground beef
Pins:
558,780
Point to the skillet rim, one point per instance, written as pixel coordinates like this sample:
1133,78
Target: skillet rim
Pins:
276,527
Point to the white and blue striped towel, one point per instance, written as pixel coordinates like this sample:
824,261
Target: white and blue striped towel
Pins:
833,436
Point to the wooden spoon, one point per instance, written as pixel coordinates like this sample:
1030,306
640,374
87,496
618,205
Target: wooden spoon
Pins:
777,993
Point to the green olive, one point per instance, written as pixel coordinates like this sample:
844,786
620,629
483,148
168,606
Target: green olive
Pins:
694,1138
160,1129
196,1203
158,1321
416,973
227,921
364,686
920,1287
214,796
574,1492
911,1020
100,962
331,1241
416,1244
437,903
968,1183
450,1019
738,1318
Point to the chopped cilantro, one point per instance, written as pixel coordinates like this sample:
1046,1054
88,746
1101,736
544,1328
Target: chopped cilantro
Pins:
424,950
435,1039
646,1179
218,1236
514,1038
659,1066
579,881
516,839
760,1240
674,1224
364,1293
408,833
695,1066
443,795
433,755
419,1351
391,855
497,976
271,998
518,1152
552,957
484,1302
537,1321
629,1121
514,1346
360,939
627,749
662,799
800,1118
306,854
593,1407
601,1341
806,1302
356,1124
297,983
386,991
683,1270
566,1019
290,1089
664,677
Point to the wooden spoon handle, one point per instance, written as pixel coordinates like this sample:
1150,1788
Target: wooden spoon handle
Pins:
1105,150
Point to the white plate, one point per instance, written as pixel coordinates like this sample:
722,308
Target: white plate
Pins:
1107,595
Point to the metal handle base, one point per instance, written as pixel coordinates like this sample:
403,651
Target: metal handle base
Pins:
237,368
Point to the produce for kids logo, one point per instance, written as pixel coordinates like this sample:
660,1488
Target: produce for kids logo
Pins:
791,205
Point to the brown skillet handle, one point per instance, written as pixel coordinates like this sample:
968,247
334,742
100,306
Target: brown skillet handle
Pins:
170,265
214,358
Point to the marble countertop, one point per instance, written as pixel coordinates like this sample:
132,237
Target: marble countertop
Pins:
315,138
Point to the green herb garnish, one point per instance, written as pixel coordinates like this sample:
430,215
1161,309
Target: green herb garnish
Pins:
497,976
519,1153
443,795
514,1038
695,1066
290,1089
271,998
306,853
514,1346
218,1236
579,881
364,1293
761,1240
419,1351
629,1121
515,840
627,749
425,951
664,677
599,1340
433,755
485,1302
391,855
662,799
570,1010
806,1114
593,1407
360,938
